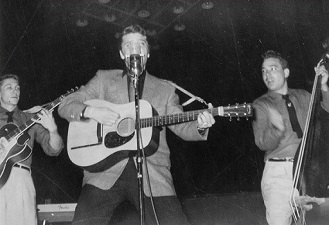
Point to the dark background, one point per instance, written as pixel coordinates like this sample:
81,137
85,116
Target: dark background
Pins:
217,57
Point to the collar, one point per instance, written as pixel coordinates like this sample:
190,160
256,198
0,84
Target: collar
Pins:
276,95
3,110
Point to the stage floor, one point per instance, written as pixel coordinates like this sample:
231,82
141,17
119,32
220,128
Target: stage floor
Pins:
235,209
244,208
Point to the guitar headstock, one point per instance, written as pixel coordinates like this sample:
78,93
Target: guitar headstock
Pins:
51,105
238,110
69,92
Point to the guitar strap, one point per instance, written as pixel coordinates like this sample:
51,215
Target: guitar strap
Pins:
131,91
193,97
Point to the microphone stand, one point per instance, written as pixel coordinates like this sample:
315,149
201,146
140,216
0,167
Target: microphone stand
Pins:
139,158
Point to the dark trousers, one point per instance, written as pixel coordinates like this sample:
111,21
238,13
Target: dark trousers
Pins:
95,206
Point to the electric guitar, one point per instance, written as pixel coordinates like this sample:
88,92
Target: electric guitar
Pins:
17,149
97,147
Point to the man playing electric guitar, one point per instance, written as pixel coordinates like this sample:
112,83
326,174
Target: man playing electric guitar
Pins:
17,192
103,191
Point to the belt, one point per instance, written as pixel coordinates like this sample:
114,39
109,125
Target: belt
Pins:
281,160
23,167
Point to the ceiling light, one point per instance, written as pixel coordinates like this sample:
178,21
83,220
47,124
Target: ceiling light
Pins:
117,35
178,9
180,27
82,22
110,18
207,5
144,13
151,32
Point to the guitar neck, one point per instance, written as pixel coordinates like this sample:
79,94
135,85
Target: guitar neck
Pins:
238,110
178,118
50,107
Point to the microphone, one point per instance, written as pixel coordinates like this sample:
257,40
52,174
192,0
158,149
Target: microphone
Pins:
135,65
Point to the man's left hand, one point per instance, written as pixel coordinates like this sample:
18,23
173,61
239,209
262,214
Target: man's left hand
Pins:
46,119
321,70
205,119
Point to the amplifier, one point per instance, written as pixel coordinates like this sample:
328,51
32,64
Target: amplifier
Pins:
62,212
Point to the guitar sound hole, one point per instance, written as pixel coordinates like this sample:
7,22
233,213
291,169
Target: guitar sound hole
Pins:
125,132
126,127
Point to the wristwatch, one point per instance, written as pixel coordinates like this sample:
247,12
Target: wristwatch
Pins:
201,130
82,114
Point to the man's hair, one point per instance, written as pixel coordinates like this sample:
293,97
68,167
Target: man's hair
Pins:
277,55
8,76
135,28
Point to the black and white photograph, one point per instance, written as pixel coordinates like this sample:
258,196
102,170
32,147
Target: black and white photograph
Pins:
164,112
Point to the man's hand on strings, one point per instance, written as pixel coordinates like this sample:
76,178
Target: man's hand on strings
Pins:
46,119
103,115
321,70
3,143
305,202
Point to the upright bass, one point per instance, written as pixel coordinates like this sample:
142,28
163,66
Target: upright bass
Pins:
310,190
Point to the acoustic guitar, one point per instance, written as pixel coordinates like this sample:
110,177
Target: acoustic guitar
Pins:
97,147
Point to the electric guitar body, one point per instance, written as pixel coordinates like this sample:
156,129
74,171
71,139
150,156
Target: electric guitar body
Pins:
16,151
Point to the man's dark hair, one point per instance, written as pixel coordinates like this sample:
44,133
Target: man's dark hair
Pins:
277,55
135,28
8,76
